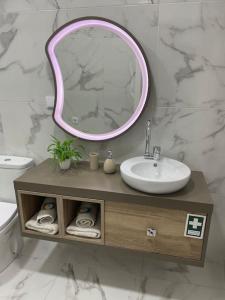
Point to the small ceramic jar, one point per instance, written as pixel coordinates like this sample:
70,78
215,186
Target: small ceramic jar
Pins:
93,158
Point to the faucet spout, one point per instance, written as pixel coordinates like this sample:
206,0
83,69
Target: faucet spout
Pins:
148,140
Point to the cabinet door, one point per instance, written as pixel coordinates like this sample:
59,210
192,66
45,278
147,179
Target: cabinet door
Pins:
151,229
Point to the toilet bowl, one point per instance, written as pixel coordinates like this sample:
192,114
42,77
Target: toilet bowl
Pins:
10,238
11,243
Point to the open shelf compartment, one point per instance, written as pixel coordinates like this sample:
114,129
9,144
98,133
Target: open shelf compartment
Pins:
29,203
70,209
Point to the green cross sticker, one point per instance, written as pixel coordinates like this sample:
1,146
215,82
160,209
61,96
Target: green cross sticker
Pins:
195,226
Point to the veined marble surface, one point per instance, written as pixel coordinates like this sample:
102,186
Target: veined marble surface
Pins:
9,6
50,271
185,45
101,78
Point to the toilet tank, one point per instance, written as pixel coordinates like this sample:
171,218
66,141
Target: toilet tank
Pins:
11,167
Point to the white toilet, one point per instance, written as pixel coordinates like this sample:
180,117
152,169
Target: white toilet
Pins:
11,167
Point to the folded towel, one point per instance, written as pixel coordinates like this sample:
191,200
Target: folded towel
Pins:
91,232
44,228
86,216
47,214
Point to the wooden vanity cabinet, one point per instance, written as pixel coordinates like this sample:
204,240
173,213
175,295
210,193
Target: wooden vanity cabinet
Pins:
29,203
154,224
69,210
126,226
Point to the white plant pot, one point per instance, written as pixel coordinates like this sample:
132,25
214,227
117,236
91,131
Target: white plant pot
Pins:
65,165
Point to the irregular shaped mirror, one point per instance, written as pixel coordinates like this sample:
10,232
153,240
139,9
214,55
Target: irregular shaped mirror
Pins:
101,78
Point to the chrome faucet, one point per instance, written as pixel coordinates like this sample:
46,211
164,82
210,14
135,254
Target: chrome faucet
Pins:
156,149
148,141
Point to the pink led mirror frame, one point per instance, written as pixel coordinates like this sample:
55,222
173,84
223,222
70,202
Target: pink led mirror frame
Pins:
129,39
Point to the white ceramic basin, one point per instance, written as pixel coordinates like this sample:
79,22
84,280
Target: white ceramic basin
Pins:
157,177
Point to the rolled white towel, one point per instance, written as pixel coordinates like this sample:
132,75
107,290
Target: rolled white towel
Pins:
43,228
48,213
91,232
86,216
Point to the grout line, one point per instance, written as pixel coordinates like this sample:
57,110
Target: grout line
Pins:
197,108
188,108
33,10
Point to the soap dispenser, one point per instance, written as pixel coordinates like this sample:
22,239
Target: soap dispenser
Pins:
109,164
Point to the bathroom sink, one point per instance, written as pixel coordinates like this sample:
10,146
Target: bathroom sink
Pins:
157,177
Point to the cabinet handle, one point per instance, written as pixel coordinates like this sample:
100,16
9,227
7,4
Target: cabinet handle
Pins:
151,232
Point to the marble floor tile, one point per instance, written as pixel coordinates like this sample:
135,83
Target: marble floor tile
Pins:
154,289
51,271
212,275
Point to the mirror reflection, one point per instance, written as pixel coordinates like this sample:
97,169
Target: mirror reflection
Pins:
102,80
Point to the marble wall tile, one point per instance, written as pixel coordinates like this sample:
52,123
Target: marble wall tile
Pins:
124,146
185,45
86,3
16,125
212,1
27,67
23,60
178,1
202,148
22,5
145,30
34,84
1,134
186,1
12,6
27,128
192,72
194,136
198,96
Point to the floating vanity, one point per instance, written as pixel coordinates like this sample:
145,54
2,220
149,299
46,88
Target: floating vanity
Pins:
173,226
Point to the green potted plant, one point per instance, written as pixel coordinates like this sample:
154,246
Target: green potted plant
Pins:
64,152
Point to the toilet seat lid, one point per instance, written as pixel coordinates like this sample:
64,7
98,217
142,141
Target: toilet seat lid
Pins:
7,213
